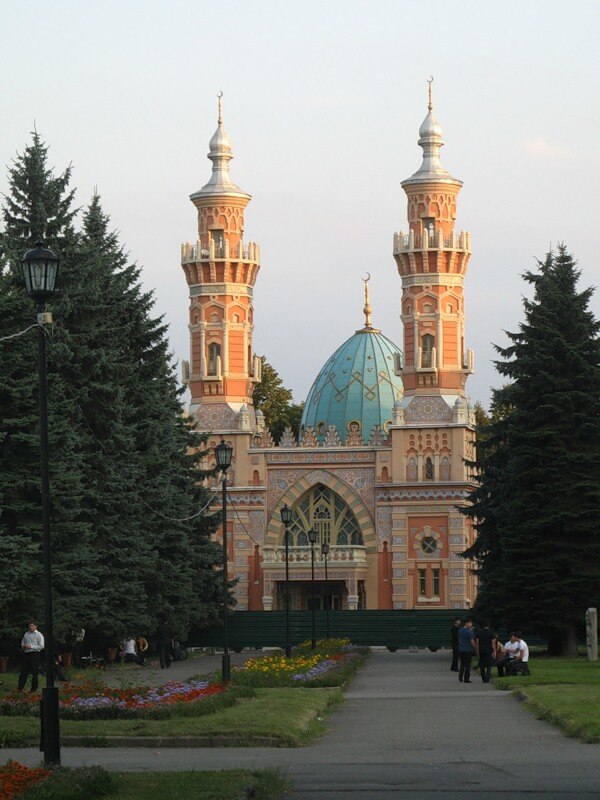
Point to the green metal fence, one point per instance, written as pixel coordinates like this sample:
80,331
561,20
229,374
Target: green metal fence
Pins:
392,629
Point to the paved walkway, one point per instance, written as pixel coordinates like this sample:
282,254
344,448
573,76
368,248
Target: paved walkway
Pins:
408,730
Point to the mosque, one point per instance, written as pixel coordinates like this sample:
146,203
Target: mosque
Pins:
379,468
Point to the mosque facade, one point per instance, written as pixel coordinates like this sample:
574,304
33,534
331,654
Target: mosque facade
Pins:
380,467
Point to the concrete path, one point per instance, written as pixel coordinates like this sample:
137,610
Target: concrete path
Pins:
153,675
408,730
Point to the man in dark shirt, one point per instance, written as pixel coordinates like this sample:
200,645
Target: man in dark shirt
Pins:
454,640
485,641
164,643
466,648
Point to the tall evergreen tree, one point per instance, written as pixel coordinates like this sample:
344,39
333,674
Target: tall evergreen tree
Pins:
38,205
128,541
543,482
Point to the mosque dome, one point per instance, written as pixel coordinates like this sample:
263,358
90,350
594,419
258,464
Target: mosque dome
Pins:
357,387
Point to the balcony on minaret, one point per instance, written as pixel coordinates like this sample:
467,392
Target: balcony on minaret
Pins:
405,242
219,251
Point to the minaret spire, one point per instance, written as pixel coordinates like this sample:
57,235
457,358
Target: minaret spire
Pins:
220,119
367,309
430,104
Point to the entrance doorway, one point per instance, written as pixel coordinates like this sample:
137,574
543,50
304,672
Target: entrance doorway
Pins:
304,598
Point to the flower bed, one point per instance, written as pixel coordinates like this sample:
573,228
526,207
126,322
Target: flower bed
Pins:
331,663
15,779
93,700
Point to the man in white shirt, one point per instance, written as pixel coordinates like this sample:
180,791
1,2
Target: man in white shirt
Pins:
521,661
32,645
128,654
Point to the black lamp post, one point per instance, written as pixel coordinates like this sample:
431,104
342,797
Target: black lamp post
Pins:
325,551
223,455
40,269
312,538
286,518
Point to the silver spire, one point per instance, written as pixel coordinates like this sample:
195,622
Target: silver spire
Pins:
220,153
431,141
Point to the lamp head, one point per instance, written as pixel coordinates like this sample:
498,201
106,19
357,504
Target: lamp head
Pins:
286,514
40,269
325,548
312,536
223,455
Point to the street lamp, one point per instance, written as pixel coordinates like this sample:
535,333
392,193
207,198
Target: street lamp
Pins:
223,456
40,269
286,518
325,551
312,538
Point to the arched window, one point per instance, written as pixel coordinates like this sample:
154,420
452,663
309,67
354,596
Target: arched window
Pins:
214,352
255,478
445,469
411,469
428,469
427,345
384,475
328,514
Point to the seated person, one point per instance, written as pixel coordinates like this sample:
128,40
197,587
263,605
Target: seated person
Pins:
511,649
128,654
520,662
141,645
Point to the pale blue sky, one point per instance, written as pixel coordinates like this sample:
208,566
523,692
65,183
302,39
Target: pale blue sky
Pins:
323,101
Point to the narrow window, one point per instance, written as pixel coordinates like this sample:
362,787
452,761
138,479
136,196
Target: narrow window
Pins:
428,469
436,582
428,343
422,583
218,238
214,352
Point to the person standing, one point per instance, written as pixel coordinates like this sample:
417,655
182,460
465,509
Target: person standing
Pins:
164,643
466,648
486,647
454,639
32,645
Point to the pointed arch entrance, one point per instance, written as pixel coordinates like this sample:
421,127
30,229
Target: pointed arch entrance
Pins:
319,500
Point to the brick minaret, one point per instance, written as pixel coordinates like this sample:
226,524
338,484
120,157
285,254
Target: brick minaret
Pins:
432,261
221,270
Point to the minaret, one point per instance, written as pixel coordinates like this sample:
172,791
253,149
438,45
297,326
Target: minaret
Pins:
221,271
432,261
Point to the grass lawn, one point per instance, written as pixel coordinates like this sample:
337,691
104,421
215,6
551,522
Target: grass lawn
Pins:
230,785
286,717
563,691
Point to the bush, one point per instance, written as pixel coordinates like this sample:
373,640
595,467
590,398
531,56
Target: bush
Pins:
83,783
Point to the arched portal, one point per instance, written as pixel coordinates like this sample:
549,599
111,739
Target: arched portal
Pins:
326,512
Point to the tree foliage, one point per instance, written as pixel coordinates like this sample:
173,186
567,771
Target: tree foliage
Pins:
538,496
128,544
275,401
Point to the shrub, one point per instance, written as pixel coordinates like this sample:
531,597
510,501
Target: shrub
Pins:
83,783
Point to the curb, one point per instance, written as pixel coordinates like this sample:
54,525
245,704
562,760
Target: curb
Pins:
174,741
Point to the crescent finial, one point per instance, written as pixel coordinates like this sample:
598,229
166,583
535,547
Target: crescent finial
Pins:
368,278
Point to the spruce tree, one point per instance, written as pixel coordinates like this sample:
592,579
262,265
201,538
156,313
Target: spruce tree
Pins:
38,205
544,494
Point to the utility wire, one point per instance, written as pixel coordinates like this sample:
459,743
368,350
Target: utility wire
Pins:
20,333
248,534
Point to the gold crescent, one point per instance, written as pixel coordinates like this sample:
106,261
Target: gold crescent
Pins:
219,94
368,278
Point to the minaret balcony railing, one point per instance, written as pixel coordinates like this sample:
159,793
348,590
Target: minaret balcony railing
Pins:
405,242
193,253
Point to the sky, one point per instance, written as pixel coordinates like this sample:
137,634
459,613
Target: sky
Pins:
322,102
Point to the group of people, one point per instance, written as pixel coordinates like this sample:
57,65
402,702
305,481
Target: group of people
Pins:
467,641
132,650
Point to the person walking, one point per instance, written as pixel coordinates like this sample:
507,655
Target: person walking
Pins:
486,647
466,648
164,643
454,639
32,645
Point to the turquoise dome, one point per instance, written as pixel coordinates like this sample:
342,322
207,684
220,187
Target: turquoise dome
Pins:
357,384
